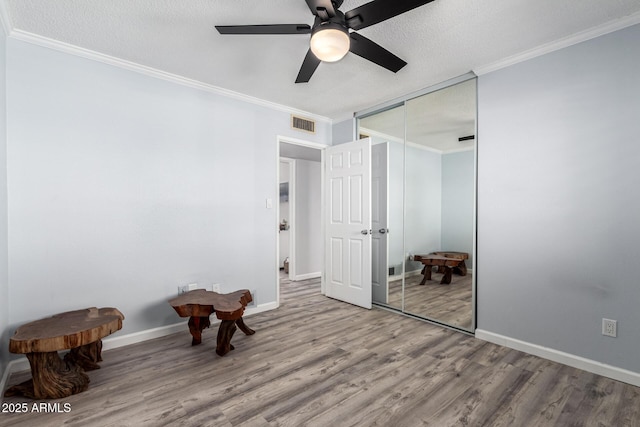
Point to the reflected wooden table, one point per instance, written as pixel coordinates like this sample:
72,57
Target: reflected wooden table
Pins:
446,262
460,269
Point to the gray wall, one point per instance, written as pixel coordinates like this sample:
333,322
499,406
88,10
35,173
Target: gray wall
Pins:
423,201
558,205
308,215
342,132
457,202
4,275
123,186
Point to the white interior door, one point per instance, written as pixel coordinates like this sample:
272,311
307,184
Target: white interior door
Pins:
379,230
348,222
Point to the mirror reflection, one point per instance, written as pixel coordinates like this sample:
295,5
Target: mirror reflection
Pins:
386,130
427,146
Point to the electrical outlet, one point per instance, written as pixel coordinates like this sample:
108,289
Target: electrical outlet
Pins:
609,327
216,287
186,288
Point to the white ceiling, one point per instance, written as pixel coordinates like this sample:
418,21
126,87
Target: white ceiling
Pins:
440,40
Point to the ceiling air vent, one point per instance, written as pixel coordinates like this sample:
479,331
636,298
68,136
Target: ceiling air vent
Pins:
303,124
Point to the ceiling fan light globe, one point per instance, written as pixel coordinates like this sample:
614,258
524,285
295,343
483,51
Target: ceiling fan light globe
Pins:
330,44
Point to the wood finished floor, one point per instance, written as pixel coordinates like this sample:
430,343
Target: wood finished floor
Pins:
319,362
449,304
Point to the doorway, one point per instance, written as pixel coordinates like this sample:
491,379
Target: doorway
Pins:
298,211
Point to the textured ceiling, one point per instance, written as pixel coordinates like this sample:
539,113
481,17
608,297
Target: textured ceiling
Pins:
440,40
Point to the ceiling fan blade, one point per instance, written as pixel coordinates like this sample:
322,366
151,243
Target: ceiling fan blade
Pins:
309,66
322,8
264,29
378,11
372,51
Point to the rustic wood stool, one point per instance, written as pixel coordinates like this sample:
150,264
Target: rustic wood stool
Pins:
440,261
81,331
461,269
229,308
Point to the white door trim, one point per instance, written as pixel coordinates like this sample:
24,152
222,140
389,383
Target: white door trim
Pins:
292,215
309,144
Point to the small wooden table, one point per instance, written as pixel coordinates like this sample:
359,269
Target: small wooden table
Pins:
440,261
81,331
229,308
460,269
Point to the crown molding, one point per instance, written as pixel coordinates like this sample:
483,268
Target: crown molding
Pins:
390,138
571,40
155,73
5,20
370,132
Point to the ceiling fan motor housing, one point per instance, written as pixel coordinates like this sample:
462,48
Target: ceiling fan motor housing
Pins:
337,19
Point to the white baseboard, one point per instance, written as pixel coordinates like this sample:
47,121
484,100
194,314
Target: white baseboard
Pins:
5,377
16,365
250,311
307,276
572,360
148,334
406,275
22,364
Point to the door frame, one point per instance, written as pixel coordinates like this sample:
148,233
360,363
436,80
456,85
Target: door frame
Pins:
382,267
292,220
308,144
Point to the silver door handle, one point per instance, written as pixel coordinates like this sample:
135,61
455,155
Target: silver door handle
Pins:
383,230
365,232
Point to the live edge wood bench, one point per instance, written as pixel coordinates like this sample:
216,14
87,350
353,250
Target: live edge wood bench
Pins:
80,331
447,262
229,308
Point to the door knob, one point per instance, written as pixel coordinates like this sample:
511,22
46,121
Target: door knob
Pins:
383,230
365,232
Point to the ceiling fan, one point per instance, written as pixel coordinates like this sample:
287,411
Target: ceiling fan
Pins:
330,35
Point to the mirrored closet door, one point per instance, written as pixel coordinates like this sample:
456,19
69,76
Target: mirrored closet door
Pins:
423,204
387,199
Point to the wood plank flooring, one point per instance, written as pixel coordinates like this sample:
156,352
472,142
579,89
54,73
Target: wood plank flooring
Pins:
319,362
449,304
